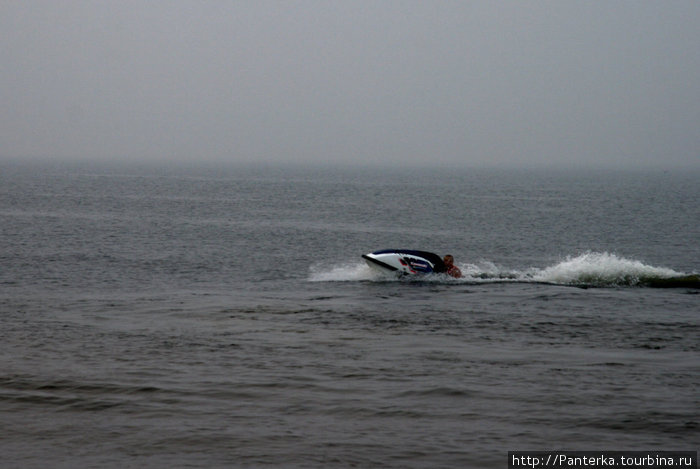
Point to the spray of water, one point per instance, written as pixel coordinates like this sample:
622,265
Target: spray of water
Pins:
602,269
343,273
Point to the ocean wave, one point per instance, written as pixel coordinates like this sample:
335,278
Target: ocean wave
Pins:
590,269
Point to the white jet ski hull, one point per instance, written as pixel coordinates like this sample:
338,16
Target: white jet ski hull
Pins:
405,262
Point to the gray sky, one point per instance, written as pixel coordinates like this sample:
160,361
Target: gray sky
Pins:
393,82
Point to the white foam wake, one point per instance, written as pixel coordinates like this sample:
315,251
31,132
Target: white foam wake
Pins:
342,273
595,268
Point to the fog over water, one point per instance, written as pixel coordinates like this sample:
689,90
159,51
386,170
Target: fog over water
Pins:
613,84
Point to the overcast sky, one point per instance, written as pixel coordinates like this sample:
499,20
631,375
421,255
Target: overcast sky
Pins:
394,82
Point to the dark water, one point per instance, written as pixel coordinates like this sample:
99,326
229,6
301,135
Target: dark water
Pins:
155,317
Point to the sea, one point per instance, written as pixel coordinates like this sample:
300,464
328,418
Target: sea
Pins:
209,316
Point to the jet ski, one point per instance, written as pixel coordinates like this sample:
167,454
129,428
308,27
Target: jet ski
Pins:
405,262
